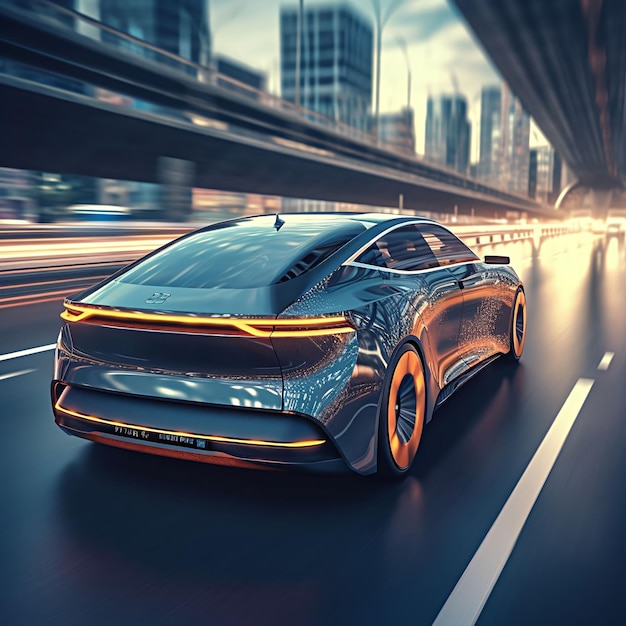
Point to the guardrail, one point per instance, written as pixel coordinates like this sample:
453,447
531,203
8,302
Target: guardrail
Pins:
490,236
119,246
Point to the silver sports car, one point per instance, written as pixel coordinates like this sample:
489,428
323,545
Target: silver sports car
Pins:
322,341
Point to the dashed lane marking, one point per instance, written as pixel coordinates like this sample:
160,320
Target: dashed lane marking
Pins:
465,603
606,361
19,353
14,374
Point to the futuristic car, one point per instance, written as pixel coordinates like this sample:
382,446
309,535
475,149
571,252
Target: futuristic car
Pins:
312,340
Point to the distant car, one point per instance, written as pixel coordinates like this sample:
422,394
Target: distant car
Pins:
323,341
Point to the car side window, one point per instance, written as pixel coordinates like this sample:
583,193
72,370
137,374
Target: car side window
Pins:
401,249
445,246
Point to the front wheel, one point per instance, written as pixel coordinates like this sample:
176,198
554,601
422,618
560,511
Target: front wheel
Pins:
518,326
402,412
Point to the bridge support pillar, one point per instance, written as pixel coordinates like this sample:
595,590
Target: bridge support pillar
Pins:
176,179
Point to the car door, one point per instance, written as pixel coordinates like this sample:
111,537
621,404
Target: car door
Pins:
483,309
432,291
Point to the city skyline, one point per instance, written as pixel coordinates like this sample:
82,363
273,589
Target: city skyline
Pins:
441,52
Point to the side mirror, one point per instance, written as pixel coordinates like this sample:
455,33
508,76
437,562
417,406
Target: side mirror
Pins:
495,259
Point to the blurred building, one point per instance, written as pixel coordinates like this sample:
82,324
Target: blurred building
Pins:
514,151
15,193
177,26
546,164
532,173
448,132
490,128
397,130
336,55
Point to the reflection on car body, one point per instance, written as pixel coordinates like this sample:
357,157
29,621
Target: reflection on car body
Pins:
326,343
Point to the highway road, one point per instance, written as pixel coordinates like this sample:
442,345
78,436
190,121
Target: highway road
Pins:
98,536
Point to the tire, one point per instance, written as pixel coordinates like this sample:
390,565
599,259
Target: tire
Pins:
517,337
402,413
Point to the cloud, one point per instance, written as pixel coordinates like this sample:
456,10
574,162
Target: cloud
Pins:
422,21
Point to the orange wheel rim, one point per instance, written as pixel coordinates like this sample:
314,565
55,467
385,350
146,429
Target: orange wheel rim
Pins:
519,324
405,409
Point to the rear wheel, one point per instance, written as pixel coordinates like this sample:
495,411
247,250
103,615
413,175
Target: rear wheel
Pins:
518,326
402,413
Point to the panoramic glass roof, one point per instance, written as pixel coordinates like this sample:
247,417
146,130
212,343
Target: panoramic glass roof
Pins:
246,253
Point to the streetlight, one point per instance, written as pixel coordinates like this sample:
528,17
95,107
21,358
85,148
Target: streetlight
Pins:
381,19
298,52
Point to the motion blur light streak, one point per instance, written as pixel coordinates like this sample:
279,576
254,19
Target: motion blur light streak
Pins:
14,374
31,298
59,281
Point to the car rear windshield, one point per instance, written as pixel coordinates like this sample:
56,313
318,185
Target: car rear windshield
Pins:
244,254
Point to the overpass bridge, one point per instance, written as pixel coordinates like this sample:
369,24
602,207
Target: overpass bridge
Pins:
233,141
566,61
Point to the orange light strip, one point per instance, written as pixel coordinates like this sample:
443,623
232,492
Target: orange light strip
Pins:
218,438
300,327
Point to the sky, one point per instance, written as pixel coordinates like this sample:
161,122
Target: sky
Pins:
440,50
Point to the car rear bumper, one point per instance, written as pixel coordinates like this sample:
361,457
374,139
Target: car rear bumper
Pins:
206,433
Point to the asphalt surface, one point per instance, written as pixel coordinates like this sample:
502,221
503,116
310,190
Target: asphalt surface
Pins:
93,535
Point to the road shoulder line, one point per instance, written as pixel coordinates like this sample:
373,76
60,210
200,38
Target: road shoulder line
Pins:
465,603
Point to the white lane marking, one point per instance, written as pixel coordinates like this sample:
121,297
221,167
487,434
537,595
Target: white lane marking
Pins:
14,374
19,353
606,361
465,603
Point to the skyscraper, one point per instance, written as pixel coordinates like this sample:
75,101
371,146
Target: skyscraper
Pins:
548,174
336,54
180,27
448,131
514,147
490,121
532,173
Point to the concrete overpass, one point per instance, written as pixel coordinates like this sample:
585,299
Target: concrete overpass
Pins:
235,142
566,61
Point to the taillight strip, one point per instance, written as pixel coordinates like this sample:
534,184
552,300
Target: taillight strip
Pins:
297,327
217,438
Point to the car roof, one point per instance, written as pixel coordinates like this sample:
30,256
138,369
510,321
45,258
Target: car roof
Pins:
333,218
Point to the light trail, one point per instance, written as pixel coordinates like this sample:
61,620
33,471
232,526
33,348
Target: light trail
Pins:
14,374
